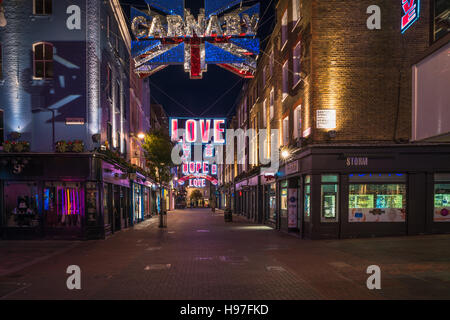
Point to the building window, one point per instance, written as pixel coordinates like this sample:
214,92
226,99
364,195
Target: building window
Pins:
264,74
307,199
109,82
284,28
286,131
441,18
271,62
1,62
296,13
2,128
265,113
441,198
272,101
298,122
109,134
377,198
285,80
296,64
329,198
42,7
43,60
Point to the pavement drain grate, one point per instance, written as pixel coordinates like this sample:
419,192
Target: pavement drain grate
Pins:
233,259
275,268
339,264
158,267
202,231
153,248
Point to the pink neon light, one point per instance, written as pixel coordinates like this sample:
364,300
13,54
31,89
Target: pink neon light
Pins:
206,128
218,131
191,135
174,128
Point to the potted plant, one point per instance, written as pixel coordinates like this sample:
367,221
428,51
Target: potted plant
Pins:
61,146
25,146
7,146
78,146
18,147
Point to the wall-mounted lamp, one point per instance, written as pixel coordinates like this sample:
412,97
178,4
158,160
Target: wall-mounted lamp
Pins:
285,154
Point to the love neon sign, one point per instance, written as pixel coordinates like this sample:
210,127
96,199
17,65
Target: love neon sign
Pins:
411,13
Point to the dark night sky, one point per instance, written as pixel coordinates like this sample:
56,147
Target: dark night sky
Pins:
173,89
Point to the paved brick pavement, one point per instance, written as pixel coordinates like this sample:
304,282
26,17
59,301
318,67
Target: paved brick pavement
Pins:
201,257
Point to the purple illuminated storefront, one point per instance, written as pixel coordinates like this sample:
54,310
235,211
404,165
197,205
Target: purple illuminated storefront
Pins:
72,196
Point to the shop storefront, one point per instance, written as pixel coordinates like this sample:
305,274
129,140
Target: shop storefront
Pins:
68,196
269,199
376,191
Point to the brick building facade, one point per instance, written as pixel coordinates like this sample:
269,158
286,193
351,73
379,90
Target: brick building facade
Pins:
342,101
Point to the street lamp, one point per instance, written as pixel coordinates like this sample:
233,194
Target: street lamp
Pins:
38,110
141,136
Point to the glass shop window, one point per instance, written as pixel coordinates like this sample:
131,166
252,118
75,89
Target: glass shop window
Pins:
377,198
307,199
441,198
329,202
63,205
21,204
441,18
43,60
284,199
273,201
2,128
137,203
42,7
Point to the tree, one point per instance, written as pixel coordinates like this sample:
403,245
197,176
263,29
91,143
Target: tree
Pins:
158,153
196,196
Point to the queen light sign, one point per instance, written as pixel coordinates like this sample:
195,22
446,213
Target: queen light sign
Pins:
201,135
411,13
223,33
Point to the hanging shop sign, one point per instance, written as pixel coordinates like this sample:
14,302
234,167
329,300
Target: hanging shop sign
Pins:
411,13
224,33
202,131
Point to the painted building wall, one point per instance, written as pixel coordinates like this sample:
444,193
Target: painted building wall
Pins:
76,88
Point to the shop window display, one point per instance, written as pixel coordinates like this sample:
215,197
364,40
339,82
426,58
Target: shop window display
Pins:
307,199
273,201
442,198
329,202
284,199
377,202
21,203
63,206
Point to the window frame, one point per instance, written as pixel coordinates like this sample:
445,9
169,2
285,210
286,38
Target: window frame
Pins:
44,60
44,14
297,133
296,62
285,80
336,204
284,29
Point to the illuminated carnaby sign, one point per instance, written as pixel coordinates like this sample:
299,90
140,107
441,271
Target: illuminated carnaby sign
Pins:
223,33
411,13
205,134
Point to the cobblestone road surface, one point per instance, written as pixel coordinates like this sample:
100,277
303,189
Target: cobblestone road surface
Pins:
201,257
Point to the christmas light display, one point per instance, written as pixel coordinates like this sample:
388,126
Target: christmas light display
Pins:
224,33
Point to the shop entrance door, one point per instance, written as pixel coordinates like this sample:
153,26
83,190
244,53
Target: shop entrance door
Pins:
116,209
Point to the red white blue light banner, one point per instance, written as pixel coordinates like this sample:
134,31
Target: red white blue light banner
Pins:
411,13
203,133
224,33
